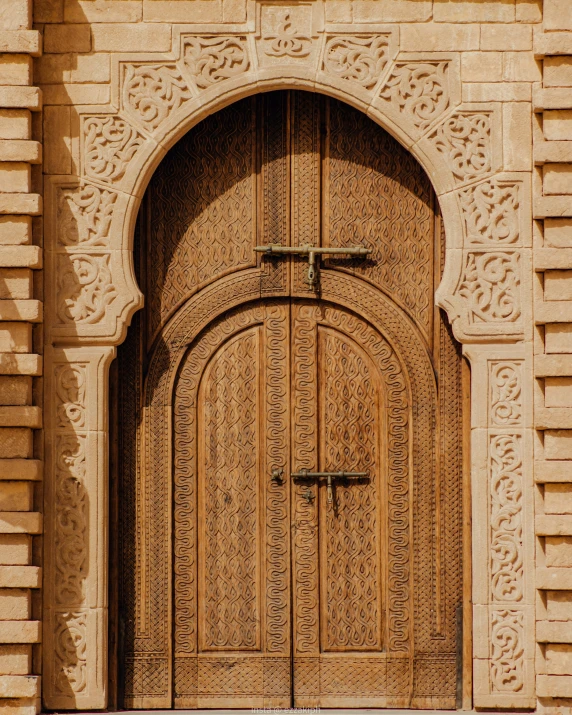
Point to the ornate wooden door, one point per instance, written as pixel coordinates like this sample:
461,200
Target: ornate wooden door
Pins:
239,585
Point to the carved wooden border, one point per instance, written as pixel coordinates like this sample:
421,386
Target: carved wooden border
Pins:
92,295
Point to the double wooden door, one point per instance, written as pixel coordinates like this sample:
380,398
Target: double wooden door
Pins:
240,584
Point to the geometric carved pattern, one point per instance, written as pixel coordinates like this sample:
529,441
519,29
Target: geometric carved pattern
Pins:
464,140
109,145
213,59
491,212
491,287
85,287
84,216
360,59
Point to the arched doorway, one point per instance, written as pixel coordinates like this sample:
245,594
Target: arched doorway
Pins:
237,583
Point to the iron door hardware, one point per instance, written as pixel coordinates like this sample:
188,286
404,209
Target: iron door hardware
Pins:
313,253
305,474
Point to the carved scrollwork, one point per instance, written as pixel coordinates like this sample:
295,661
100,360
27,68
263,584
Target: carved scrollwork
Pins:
464,140
360,59
70,383
85,287
507,651
84,216
110,143
151,92
491,212
491,287
505,379
70,652
506,518
287,41
419,90
213,59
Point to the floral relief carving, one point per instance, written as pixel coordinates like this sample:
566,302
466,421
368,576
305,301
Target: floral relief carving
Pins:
491,212
70,381
505,380
360,59
464,139
506,518
85,287
287,41
71,535
419,90
84,216
491,287
110,143
151,92
70,652
507,651
213,59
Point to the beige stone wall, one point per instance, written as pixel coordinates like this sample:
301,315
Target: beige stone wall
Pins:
123,79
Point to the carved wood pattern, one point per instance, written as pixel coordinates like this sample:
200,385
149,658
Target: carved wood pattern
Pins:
376,345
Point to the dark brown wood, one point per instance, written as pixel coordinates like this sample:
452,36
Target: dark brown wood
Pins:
236,589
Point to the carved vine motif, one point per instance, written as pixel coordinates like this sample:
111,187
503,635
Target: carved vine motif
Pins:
110,143
360,59
84,216
85,288
419,90
465,141
506,518
491,287
213,59
70,547
491,212
151,92
505,381
507,656
70,383
70,652
287,42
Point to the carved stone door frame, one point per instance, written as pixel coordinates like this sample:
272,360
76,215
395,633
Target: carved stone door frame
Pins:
91,295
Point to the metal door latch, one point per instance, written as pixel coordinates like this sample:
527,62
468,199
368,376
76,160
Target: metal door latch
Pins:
305,474
313,253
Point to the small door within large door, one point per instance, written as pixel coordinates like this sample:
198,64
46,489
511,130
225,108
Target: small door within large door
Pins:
287,472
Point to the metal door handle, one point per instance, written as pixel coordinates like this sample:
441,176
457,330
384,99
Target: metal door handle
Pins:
305,474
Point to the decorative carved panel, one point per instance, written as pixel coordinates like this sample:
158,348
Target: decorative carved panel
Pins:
236,370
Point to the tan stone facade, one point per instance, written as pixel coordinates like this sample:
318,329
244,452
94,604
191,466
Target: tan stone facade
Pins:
117,83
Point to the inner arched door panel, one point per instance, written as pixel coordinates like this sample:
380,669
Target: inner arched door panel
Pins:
288,466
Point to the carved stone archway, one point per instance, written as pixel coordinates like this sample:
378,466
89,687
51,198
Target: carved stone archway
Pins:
93,294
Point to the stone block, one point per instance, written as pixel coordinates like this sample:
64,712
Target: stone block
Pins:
497,92
506,38
15,390
439,38
16,496
558,392
21,97
15,260
15,69
558,444
15,124
103,11
21,42
67,38
13,310
20,631
517,136
30,204
20,150
390,10
557,72
558,232
559,632
559,659
15,337
50,68
554,686
57,140
551,98
557,15
201,11
76,94
559,605
473,11
15,443
15,283
90,68
528,11
521,67
48,11
15,177
558,551
552,471
558,285
235,10
554,525
21,706
558,498
19,686
15,522
20,365
558,338
127,37
557,179
25,416
15,659
15,230
15,15
15,549
482,66
28,469
15,605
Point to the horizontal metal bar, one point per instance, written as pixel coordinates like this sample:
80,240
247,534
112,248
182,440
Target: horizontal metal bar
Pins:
274,249
305,474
